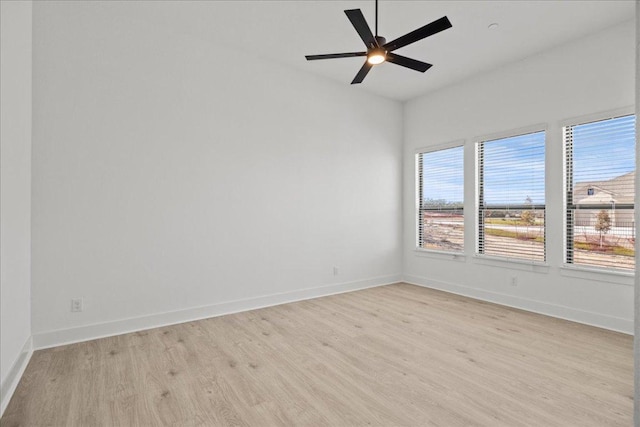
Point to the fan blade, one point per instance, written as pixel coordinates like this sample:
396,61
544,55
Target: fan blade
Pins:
335,55
360,24
362,73
419,34
408,62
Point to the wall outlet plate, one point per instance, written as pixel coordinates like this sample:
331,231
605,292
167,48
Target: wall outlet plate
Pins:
76,305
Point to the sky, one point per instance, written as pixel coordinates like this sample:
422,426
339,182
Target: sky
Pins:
604,150
443,174
514,170
514,166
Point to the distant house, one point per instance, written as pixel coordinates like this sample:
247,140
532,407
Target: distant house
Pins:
613,193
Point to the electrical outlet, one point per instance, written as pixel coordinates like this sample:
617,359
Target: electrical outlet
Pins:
336,270
514,280
76,305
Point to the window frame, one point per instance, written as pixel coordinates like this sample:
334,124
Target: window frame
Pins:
569,268
479,193
455,255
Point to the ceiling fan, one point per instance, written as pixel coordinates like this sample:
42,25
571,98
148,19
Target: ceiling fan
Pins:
378,50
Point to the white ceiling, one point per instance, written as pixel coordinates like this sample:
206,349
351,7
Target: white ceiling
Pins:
285,31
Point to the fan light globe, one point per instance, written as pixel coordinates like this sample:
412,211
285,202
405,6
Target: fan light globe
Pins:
376,58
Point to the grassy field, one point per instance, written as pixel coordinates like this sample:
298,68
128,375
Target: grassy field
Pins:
512,234
592,247
511,221
606,248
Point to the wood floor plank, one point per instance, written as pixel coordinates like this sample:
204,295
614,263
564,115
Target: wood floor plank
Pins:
396,355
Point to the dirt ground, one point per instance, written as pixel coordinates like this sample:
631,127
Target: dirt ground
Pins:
450,237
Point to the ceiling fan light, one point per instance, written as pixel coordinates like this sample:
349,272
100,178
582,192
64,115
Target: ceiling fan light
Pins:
376,58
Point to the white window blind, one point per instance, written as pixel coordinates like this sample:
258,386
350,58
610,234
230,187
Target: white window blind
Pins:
600,193
440,199
511,198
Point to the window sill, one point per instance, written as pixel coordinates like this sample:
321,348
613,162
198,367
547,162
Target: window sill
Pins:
599,275
512,263
451,256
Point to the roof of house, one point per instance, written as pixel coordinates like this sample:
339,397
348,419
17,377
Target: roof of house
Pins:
620,189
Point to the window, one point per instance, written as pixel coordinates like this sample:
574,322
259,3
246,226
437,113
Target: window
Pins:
440,199
511,198
600,193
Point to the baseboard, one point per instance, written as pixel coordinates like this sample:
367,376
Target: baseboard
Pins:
562,312
10,383
55,338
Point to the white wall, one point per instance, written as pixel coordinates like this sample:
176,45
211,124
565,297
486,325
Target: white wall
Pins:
588,76
15,193
170,174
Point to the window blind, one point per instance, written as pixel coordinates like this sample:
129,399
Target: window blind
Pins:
511,197
600,193
440,199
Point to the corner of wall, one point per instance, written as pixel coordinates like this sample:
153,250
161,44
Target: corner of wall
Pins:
636,310
10,383
16,97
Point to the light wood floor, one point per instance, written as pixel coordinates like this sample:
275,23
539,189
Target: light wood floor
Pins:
393,355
